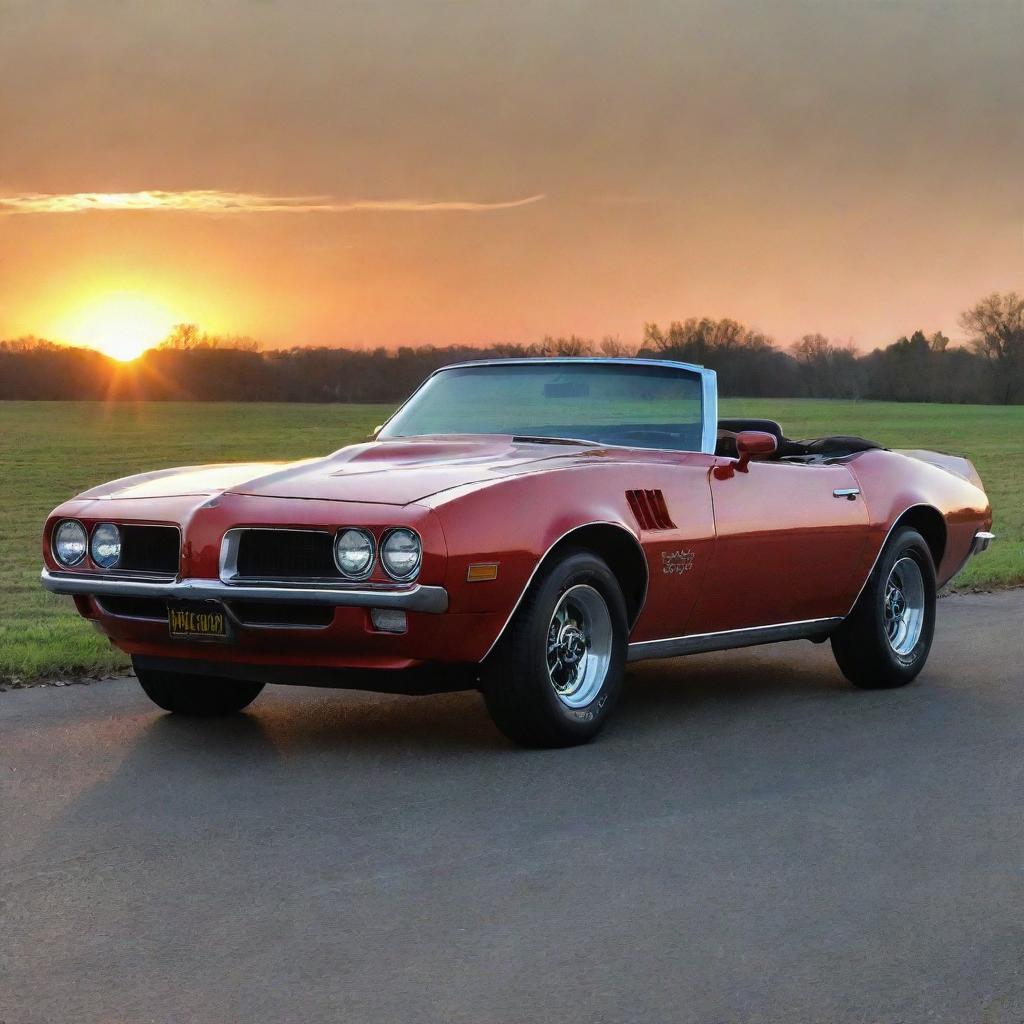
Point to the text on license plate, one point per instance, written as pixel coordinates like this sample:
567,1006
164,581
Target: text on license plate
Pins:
198,621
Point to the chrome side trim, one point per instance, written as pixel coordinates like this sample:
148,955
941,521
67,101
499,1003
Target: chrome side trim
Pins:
416,598
698,643
541,560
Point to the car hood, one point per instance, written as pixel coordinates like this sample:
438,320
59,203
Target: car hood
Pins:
384,472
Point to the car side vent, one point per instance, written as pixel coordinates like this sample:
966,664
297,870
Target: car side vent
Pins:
650,510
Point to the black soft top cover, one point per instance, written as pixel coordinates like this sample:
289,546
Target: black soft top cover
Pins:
835,447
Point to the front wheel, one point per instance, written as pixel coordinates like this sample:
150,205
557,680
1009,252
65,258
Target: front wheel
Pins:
196,695
885,640
556,673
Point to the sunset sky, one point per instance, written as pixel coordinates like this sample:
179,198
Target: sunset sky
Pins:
408,171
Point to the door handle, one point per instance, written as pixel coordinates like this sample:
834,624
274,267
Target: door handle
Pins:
849,493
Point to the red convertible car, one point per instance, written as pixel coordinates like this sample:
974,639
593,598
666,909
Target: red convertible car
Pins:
525,527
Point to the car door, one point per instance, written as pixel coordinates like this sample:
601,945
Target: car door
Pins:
789,543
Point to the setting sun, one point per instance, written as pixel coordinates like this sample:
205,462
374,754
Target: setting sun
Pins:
122,325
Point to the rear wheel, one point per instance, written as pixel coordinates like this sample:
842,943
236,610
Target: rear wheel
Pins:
556,673
885,640
196,695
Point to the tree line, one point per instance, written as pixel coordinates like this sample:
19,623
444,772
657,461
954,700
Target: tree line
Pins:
190,365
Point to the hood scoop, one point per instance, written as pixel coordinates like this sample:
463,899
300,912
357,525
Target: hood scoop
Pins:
409,454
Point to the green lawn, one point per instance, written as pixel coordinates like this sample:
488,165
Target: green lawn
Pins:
51,450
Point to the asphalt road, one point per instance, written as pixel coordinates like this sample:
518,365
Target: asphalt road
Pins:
751,840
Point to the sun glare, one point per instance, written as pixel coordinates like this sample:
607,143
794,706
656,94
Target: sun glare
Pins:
121,325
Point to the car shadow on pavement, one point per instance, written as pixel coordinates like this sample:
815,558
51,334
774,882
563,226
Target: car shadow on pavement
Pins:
346,758
300,719
289,721
296,719
656,694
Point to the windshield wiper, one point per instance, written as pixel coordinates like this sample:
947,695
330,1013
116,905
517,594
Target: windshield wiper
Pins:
553,440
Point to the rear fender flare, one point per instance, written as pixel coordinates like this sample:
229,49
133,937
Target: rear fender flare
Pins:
928,521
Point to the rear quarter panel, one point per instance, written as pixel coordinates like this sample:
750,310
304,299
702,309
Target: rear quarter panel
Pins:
892,483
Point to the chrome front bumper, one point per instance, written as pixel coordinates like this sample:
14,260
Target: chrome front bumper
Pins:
415,598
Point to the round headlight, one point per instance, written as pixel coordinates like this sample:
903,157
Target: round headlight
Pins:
401,554
105,547
353,553
69,542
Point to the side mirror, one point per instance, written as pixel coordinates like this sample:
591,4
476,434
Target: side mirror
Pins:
752,443
376,430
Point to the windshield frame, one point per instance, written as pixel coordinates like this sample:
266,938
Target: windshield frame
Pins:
708,381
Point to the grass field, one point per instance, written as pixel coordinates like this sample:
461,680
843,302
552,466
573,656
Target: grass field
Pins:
51,450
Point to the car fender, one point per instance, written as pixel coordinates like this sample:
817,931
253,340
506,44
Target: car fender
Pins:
899,488
511,526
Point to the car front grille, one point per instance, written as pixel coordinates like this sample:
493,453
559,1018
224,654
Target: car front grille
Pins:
286,554
150,549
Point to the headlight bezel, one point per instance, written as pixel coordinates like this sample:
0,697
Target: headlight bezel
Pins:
98,562
385,538
55,540
371,561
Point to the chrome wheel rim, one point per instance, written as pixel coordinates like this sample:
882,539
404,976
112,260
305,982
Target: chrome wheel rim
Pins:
904,606
579,646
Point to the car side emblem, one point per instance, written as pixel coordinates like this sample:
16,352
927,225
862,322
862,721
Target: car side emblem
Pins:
675,563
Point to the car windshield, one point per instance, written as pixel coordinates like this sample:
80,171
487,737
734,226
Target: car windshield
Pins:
631,404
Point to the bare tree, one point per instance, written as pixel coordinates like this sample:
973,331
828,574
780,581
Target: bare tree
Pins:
995,326
829,369
186,337
28,343
571,346
612,345
183,337
705,335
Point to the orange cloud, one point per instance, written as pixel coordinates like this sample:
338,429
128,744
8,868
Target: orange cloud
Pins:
215,201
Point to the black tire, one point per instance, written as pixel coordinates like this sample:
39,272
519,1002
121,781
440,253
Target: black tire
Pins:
517,687
861,645
196,695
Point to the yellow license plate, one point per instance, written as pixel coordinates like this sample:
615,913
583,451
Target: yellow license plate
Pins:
198,620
